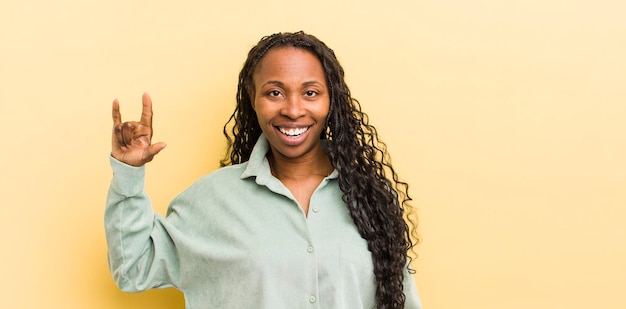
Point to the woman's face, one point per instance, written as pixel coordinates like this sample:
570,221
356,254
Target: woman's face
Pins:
291,101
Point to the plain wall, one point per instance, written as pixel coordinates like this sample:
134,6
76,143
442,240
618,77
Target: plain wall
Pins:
507,118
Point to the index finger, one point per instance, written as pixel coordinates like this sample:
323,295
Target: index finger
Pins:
117,117
146,111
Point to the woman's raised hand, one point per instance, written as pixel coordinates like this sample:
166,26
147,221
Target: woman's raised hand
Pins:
132,140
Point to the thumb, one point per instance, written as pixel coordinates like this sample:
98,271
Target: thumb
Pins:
155,148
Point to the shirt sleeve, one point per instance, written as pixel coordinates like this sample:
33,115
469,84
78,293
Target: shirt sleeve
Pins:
141,253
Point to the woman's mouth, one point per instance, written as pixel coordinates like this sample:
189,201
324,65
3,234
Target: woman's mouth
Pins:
293,132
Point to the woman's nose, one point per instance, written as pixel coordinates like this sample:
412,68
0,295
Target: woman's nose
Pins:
293,108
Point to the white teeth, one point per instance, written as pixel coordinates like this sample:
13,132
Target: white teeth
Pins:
293,131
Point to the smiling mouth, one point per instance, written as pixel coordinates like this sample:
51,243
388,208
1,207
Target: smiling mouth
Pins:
293,132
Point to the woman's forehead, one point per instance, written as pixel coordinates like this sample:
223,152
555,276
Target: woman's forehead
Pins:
289,63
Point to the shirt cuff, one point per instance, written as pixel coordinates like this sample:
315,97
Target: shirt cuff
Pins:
127,180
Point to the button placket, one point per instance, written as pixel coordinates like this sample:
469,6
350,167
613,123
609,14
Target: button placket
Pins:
312,221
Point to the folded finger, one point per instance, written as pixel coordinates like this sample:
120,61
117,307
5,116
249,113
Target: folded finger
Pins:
117,136
127,133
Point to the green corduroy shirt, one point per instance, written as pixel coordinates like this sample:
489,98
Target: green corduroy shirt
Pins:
237,238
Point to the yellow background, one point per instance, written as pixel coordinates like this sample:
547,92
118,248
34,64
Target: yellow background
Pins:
506,117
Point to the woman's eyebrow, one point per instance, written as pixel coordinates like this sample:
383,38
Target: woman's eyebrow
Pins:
312,82
274,82
281,84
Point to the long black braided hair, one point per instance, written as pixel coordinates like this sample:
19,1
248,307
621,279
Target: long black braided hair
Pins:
377,200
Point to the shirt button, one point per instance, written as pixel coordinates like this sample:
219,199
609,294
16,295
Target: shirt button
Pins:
312,299
309,249
315,209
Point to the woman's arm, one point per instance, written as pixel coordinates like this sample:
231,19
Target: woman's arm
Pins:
141,253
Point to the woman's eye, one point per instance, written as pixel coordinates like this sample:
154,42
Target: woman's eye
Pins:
310,93
274,93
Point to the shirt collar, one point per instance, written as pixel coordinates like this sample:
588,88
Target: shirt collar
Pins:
258,166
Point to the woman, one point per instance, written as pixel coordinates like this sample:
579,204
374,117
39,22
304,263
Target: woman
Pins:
307,210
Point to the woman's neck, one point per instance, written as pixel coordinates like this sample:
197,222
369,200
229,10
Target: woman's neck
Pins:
315,164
